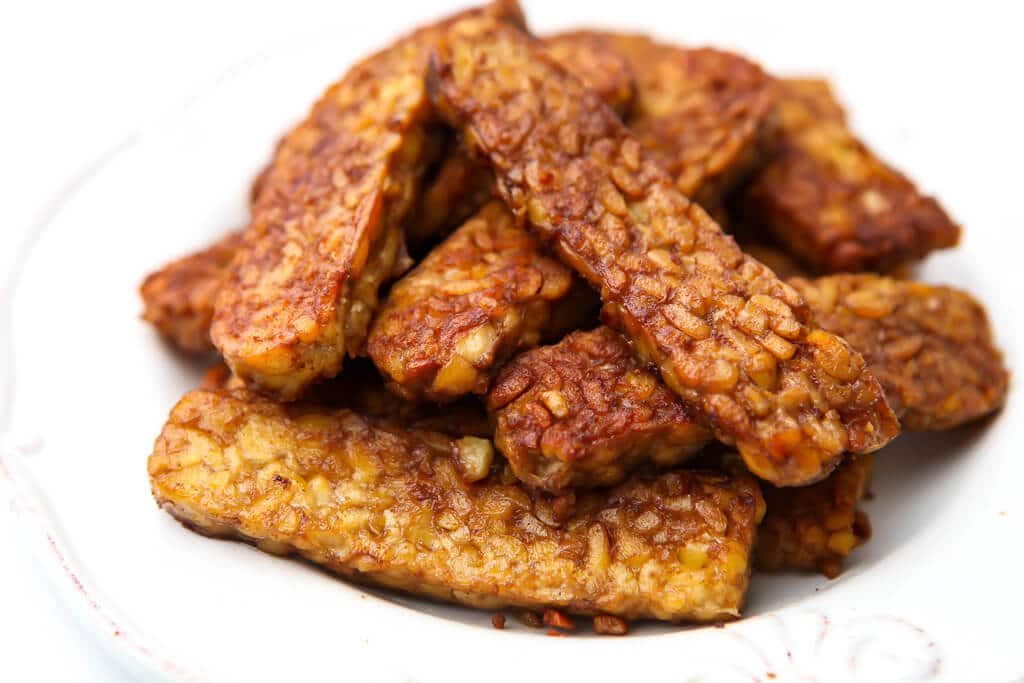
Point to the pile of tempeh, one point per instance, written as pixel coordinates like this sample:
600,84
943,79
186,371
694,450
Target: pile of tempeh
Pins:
568,386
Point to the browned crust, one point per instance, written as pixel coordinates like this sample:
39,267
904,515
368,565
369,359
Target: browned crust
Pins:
485,292
593,58
392,507
831,201
178,298
326,227
705,115
815,527
585,412
727,335
456,189
460,184
930,346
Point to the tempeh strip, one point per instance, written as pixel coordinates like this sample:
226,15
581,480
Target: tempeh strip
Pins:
727,335
482,294
592,58
830,201
930,346
396,508
704,115
178,298
326,231
586,412
815,527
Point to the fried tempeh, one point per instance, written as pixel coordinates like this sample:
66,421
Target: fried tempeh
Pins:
326,231
930,346
178,298
833,203
585,412
582,412
592,58
482,294
727,335
461,184
704,115
815,527
395,508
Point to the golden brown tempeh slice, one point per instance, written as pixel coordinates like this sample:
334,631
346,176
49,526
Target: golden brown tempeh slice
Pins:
396,508
326,231
727,335
592,58
482,294
831,201
930,346
178,298
815,527
703,114
585,412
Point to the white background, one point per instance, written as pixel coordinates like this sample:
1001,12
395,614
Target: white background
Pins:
78,77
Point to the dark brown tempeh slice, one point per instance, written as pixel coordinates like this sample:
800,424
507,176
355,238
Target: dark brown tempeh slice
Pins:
705,115
585,412
830,201
816,527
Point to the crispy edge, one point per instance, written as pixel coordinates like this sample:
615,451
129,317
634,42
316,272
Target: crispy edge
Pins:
831,201
815,527
584,412
178,299
482,294
930,346
402,509
727,335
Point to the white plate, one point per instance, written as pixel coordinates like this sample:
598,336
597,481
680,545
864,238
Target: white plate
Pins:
936,595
